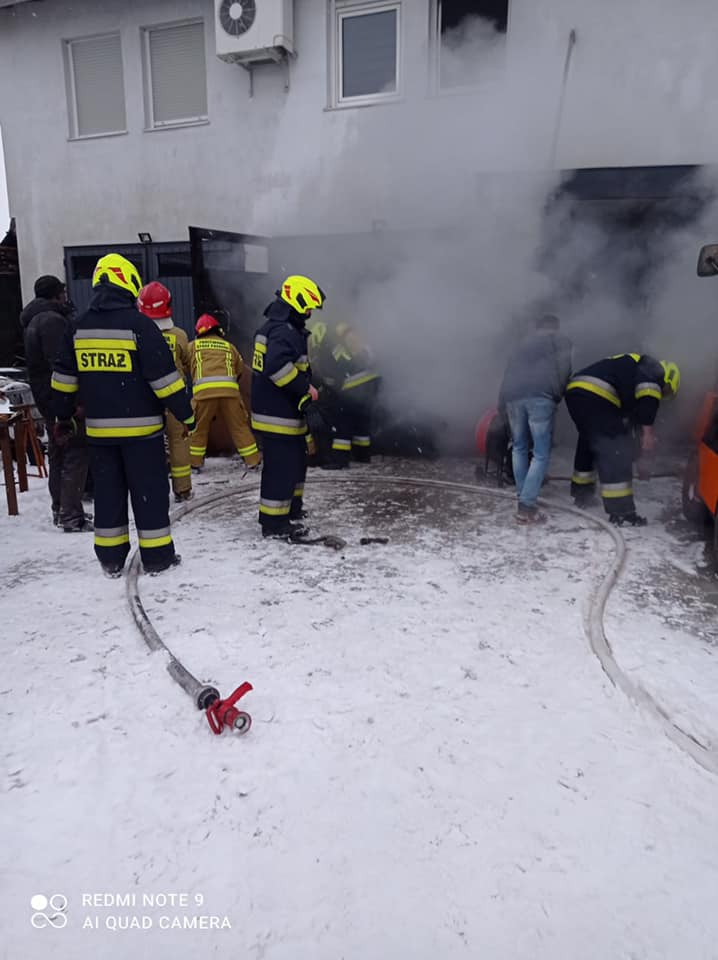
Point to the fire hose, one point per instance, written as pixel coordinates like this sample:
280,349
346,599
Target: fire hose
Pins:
223,713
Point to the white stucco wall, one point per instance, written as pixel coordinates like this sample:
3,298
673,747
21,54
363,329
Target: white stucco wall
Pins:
640,92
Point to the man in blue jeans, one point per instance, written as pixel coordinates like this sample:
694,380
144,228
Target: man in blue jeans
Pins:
533,384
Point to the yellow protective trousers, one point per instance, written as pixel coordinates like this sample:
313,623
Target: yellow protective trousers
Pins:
234,414
178,447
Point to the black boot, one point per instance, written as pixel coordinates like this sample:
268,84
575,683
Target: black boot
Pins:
113,570
79,526
289,532
154,568
632,519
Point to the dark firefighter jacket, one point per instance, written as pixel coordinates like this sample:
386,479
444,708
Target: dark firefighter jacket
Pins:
630,382
43,322
119,360
280,372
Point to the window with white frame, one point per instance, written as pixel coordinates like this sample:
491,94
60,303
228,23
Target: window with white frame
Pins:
367,51
175,74
467,33
95,86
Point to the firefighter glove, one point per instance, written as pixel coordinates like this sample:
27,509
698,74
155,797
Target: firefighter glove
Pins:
316,423
64,430
189,427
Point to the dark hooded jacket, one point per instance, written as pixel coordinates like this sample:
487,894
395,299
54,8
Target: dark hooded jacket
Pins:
630,384
43,324
280,371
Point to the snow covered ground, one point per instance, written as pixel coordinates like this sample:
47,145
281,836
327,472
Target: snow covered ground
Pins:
438,766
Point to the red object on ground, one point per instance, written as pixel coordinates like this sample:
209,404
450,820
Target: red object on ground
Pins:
482,430
223,713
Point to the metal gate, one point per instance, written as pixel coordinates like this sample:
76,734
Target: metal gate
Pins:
170,263
232,280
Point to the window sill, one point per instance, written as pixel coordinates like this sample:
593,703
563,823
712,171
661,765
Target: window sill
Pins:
177,125
97,136
468,90
360,102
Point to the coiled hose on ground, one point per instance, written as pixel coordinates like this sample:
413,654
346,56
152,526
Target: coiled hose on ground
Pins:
705,755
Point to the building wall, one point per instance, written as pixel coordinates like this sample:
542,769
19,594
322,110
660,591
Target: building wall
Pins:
639,92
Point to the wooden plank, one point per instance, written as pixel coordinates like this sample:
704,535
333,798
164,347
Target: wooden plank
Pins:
10,492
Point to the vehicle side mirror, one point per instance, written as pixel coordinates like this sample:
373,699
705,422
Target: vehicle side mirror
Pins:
708,260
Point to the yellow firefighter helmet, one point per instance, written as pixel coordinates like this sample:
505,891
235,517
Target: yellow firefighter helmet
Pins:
671,376
302,294
119,272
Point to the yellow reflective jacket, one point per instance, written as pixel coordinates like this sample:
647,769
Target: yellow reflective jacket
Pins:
178,343
216,368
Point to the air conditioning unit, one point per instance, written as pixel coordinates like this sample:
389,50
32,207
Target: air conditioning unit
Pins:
254,31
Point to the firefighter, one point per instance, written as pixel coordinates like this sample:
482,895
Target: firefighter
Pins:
606,401
283,407
349,386
216,367
120,362
155,301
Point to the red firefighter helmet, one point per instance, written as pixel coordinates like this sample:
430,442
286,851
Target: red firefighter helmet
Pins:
155,301
206,323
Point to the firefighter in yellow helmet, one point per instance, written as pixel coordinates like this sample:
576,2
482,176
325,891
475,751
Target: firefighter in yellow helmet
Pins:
606,401
283,410
349,386
119,363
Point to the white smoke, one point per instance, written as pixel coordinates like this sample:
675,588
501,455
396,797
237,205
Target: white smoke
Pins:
472,243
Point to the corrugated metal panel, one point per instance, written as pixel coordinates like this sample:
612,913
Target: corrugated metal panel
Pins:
170,263
80,263
182,302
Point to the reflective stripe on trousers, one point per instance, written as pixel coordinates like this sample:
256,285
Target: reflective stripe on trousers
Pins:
154,538
111,536
274,508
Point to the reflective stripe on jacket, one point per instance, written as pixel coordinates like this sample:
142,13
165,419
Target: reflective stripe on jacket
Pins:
124,370
630,382
280,372
176,340
216,367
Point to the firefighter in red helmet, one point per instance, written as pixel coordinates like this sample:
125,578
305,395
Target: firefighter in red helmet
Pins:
216,367
155,301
